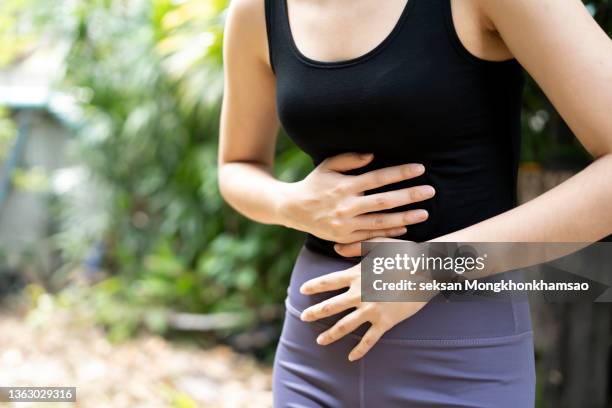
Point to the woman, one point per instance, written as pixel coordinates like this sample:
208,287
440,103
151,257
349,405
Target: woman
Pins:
411,113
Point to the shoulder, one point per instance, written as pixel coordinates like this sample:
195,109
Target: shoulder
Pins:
477,31
245,28
520,12
246,10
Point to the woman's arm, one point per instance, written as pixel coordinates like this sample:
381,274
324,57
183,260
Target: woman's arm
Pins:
249,123
577,210
327,203
570,57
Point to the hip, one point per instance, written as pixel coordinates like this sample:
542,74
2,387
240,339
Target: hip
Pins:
440,319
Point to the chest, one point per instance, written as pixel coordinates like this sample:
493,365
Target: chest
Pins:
417,94
341,29
414,92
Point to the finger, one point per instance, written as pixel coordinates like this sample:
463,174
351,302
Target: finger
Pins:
347,161
330,307
348,250
390,220
391,199
354,249
344,326
367,342
389,175
364,235
331,281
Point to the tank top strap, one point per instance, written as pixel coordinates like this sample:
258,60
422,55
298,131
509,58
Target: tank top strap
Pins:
276,30
419,19
281,47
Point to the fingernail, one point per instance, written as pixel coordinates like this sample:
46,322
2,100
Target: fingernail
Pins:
304,316
421,214
320,339
365,156
351,357
303,289
428,191
401,231
417,168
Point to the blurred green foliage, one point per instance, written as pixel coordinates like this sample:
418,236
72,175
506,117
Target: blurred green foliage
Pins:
148,76
153,75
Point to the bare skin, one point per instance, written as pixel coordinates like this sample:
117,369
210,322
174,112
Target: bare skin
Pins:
556,41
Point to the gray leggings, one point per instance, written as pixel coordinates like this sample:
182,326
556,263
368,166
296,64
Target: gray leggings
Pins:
450,354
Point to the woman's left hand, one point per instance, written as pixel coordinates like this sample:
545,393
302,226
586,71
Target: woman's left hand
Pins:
382,315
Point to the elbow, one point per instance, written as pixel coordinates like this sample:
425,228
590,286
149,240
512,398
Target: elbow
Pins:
606,159
602,153
600,147
223,182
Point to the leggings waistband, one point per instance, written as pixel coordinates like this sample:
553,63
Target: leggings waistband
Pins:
438,320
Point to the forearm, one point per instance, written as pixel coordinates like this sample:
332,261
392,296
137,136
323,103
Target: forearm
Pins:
327,203
577,210
253,191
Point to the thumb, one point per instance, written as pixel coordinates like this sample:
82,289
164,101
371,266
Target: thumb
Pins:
347,161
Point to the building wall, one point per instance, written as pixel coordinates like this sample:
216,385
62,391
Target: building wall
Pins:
25,216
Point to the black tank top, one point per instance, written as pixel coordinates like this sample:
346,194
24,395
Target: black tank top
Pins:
417,97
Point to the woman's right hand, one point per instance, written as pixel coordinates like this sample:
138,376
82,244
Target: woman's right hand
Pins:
332,205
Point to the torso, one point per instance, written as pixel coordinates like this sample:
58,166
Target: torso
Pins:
408,91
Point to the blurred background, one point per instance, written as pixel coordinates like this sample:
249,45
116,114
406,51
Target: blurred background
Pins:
122,272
